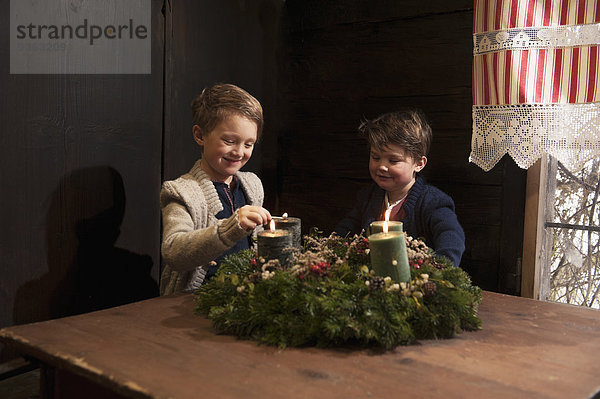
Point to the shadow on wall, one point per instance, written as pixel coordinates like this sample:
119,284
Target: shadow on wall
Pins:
86,271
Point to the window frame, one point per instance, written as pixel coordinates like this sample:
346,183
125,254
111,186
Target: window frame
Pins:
533,230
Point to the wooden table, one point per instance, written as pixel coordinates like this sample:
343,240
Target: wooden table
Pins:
159,349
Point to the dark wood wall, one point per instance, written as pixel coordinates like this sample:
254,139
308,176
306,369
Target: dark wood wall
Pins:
347,60
79,177
218,41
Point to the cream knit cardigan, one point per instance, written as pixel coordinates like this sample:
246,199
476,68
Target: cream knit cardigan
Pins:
192,235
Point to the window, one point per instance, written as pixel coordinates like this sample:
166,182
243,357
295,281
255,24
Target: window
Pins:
567,248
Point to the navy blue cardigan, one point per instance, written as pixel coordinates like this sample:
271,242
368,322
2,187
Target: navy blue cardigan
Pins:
429,215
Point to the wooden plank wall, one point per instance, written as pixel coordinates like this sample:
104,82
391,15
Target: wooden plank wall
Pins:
79,177
219,41
347,60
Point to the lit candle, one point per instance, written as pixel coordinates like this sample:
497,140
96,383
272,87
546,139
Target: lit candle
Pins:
388,254
293,225
273,242
377,226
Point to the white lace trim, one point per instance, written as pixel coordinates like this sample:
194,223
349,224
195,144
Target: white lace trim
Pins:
569,132
537,37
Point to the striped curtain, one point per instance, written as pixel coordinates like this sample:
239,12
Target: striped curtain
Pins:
536,81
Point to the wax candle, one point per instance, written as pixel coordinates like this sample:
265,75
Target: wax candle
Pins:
294,225
384,225
272,244
388,254
377,227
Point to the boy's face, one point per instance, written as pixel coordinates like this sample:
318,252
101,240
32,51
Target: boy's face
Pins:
394,170
227,147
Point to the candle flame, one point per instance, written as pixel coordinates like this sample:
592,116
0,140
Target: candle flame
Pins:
387,218
272,225
285,215
387,214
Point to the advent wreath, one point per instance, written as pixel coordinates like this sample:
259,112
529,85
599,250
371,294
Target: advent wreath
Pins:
327,296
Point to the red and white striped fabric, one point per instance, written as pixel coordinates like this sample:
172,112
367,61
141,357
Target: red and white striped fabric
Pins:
536,81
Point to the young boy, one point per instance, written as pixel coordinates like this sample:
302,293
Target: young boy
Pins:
399,143
211,211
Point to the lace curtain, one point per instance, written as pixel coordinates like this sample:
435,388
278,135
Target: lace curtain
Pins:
536,81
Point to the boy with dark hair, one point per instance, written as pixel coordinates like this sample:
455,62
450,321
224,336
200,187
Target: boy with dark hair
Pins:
399,143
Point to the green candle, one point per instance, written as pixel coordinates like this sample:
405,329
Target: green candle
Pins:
292,224
274,244
377,227
388,255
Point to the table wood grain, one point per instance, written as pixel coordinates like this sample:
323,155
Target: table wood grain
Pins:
159,349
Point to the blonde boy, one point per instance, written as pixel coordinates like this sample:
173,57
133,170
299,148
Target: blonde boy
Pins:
211,211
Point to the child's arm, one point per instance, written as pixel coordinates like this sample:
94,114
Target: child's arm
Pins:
185,248
448,235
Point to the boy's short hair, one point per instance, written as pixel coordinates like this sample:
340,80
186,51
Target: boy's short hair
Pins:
407,128
218,102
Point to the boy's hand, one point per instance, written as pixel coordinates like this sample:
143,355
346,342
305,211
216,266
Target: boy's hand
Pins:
252,216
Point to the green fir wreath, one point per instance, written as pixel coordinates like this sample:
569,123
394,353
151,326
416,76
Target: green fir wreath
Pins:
327,296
